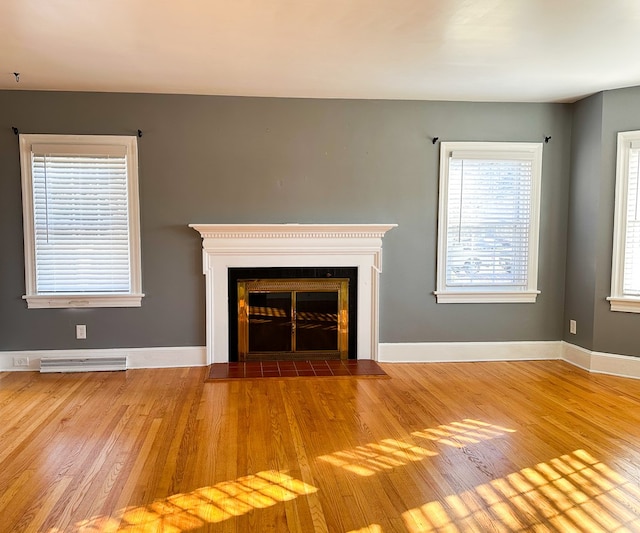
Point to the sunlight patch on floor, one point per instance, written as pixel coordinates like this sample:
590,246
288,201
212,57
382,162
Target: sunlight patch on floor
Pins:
375,457
574,492
460,434
368,459
207,505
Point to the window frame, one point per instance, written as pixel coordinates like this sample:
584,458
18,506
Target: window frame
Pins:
618,300
36,300
489,293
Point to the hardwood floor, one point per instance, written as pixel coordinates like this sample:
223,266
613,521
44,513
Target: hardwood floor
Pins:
526,446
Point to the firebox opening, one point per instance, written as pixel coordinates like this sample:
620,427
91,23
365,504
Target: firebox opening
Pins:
292,313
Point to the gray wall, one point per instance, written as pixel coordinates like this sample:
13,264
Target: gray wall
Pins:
228,159
586,171
614,332
596,123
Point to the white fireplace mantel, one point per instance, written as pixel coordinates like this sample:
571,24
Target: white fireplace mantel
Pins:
227,246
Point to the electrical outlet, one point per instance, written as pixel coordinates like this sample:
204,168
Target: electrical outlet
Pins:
81,331
21,362
573,327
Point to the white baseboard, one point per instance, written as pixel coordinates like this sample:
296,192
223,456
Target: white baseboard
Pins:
162,357
446,352
576,355
625,366
616,365
418,352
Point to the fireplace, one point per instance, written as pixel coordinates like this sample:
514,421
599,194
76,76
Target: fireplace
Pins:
316,246
292,313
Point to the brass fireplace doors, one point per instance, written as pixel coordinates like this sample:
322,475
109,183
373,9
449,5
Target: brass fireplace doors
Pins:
293,319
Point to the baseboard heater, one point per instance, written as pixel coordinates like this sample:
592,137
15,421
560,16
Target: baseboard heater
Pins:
83,364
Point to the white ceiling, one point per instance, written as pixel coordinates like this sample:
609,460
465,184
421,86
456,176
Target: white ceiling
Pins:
478,50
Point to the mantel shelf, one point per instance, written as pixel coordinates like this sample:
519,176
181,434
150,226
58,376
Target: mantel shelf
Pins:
285,231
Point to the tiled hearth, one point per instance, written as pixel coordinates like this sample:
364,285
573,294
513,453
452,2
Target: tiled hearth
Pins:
294,369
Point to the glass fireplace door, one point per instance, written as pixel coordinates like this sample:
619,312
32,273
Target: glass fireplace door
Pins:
293,319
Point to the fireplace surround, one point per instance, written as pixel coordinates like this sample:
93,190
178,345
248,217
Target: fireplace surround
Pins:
227,246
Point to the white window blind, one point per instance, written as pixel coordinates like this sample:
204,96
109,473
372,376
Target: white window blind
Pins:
81,224
488,221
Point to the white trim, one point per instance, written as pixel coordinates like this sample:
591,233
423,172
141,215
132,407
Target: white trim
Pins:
626,141
418,352
95,144
227,246
486,150
576,355
292,231
161,357
58,301
445,352
625,366
620,216
478,297
615,365
625,304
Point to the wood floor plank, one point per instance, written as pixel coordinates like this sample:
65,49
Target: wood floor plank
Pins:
522,446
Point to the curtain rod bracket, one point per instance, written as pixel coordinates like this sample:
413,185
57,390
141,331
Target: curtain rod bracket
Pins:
15,130
547,139
139,133
434,140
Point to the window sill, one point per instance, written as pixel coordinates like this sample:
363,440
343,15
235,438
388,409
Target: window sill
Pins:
57,301
477,297
624,304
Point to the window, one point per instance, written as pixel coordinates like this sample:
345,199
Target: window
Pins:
625,269
488,222
81,222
